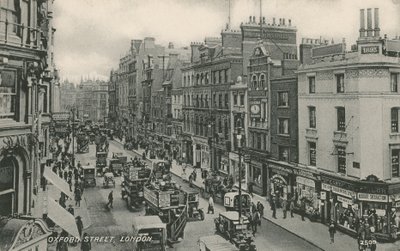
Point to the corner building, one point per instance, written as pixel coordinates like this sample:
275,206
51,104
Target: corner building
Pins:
348,106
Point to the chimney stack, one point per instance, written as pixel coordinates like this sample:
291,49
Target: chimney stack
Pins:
376,21
369,22
283,21
362,23
263,20
280,21
290,22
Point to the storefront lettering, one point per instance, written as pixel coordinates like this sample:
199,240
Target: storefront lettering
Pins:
303,173
338,183
345,201
373,197
280,168
338,190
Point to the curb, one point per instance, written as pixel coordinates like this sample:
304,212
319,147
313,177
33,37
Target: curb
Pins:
88,215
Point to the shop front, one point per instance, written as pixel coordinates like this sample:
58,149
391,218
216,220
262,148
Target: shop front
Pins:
280,181
306,188
187,149
395,214
201,153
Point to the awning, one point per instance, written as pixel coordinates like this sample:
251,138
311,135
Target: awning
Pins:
57,181
62,217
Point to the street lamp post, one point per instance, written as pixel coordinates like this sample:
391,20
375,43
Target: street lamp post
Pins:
239,138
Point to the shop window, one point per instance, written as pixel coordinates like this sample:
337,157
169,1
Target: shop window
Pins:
256,171
395,163
347,214
8,94
341,119
340,83
377,216
394,78
312,147
395,119
283,99
311,84
283,126
341,159
313,120
283,153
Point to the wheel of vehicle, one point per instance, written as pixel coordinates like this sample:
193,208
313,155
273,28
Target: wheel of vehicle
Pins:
201,214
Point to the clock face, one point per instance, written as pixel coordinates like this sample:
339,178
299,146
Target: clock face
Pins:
255,109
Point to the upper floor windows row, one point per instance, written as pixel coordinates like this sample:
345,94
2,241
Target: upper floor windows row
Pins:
341,84
259,82
213,77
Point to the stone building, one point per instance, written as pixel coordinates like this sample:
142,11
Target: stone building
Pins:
92,100
28,86
206,101
68,95
348,109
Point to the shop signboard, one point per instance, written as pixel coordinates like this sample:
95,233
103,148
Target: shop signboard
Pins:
305,181
284,169
338,190
60,116
345,201
373,197
304,173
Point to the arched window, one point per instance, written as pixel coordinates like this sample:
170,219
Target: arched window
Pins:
202,79
254,81
197,79
206,78
262,81
201,101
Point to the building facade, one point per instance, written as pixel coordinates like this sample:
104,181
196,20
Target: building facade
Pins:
28,79
92,100
348,127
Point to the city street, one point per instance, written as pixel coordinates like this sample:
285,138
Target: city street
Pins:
117,222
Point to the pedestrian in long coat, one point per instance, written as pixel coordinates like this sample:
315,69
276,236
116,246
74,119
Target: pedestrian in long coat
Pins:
291,207
78,196
332,231
71,210
210,205
284,207
79,225
273,208
86,245
260,209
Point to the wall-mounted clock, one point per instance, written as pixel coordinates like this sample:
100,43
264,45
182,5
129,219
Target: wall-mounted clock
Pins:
255,109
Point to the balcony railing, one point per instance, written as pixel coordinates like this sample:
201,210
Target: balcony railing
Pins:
20,35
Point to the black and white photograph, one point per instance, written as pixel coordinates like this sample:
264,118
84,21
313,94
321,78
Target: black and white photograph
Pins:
199,125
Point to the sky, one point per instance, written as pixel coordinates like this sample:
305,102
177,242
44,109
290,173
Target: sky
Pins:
92,35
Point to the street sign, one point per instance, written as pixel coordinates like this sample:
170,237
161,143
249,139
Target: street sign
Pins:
247,158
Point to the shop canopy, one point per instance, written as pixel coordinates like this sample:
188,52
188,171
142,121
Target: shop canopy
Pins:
57,181
62,217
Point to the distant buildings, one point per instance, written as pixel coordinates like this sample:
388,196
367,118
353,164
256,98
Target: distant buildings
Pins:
92,100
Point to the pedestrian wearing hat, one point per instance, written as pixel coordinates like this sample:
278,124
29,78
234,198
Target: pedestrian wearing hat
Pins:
332,231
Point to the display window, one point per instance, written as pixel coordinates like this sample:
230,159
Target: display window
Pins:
374,213
305,190
347,213
256,175
395,217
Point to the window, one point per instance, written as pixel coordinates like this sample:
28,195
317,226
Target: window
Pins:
311,112
241,99
283,153
312,148
254,81
235,97
220,101
311,84
340,83
207,79
262,80
394,78
341,154
206,101
283,99
215,100
283,126
8,12
226,100
395,119
395,163
7,94
341,119
221,80
226,76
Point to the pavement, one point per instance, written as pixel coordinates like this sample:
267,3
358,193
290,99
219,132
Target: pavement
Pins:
313,232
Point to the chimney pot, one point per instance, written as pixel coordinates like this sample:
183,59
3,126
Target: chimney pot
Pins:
369,22
283,21
263,20
376,21
362,23
290,22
